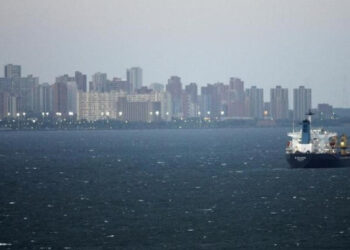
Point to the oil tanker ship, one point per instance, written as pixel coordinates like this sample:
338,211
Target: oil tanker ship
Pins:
316,148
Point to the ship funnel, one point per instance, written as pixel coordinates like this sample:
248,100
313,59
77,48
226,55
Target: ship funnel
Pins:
306,132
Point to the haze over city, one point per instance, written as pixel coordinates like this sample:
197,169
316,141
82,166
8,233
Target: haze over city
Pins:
174,124
265,43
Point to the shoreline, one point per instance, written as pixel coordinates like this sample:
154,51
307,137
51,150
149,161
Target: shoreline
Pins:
117,125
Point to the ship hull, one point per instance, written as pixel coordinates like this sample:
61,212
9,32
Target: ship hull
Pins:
302,160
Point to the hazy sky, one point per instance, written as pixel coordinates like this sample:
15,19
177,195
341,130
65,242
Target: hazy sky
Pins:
265,43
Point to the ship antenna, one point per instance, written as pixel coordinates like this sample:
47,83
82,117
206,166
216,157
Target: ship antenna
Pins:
309,115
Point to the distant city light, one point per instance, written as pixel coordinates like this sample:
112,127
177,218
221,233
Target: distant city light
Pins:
91,102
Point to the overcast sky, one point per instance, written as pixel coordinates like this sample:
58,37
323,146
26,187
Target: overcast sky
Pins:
265,43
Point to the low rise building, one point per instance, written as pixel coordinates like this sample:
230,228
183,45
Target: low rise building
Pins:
95,105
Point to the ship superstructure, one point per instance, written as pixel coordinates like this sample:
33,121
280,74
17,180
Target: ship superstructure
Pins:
316,147
309,140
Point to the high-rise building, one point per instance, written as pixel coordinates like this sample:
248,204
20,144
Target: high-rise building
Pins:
212,100
267,110
21,89
12,105
24,89
174,87
65,94
139,111
60,97
99,82
256,102
143,107
236,98
81,81
4,96
237,85
72,96
144,90
301,102
134,77
157,87
118,84
43,98
190,100
189,108
9,98
65,78
12,71
6,84
279,102
192,91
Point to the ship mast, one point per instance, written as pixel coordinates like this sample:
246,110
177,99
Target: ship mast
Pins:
309,115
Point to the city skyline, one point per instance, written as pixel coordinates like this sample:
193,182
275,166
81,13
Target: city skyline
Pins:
123,76
129,99
266,43
97,80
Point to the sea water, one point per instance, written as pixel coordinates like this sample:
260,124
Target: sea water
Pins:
158,189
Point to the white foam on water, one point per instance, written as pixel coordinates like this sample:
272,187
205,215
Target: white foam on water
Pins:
206,210
2,244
